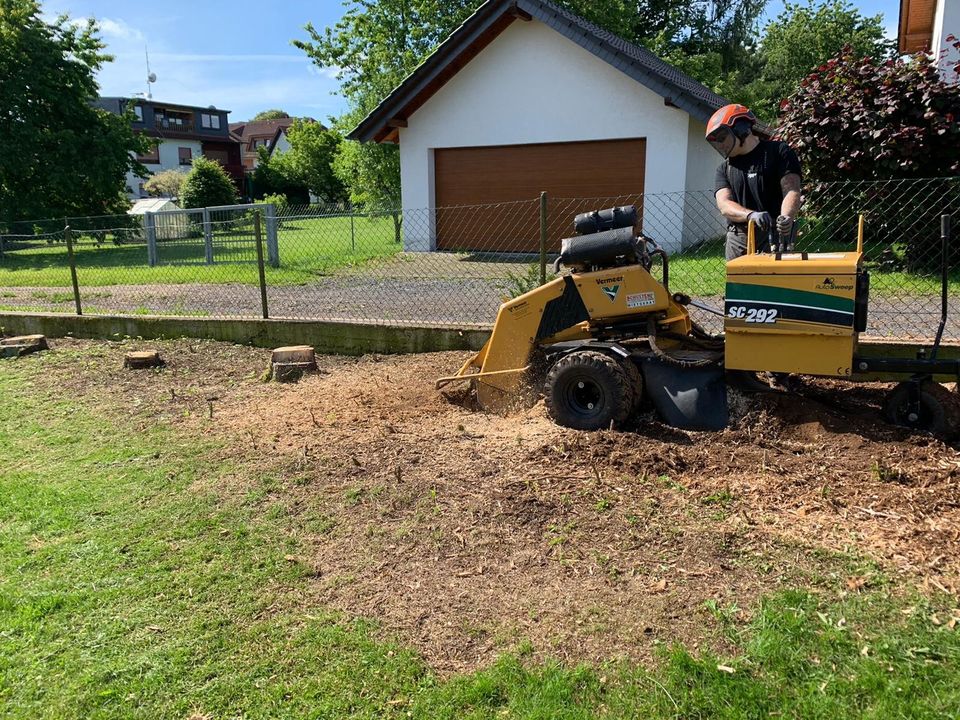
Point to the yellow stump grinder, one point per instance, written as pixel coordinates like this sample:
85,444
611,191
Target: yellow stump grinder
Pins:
610,335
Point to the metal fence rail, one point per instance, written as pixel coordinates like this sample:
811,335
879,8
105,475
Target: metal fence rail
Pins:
451,265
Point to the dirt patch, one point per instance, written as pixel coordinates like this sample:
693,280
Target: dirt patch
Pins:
464,533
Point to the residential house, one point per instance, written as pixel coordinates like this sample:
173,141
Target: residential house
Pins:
925,26
260,133
184,132
526,97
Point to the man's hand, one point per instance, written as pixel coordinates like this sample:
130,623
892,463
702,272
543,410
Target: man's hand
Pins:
784,224
761,219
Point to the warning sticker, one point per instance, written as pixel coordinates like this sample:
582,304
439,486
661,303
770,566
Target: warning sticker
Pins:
643,299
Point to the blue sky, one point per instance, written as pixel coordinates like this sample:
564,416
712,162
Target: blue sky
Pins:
237,55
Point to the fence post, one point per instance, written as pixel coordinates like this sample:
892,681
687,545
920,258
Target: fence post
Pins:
353,237
207,237
543,237
258,232
73,269
273,246
150,224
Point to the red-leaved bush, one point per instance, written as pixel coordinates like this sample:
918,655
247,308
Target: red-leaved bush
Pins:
856,119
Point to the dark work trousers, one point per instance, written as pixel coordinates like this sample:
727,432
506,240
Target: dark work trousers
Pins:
737,242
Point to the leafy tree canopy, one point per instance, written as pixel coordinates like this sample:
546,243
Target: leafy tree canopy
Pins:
206,185
805,36
61,156
270,115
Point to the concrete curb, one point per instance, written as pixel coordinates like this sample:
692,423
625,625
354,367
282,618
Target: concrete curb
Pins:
344,338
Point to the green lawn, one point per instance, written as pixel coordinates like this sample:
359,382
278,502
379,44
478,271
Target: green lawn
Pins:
309,248
129,588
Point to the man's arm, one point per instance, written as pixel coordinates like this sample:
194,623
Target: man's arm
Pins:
790,185
730,208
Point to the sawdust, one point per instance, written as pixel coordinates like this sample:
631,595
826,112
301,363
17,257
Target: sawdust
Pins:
464,533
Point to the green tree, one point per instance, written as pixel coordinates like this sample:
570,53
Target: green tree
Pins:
802,38
165,184
373,47
61,156
313,149
273,114
207,184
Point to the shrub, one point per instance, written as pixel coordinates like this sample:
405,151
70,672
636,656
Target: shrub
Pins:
279,201
858,119
206,185
165,184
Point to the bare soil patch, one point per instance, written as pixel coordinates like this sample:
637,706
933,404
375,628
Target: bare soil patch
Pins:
464,533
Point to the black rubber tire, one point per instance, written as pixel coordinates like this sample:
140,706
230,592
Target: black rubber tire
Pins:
938,409
635,378
587,390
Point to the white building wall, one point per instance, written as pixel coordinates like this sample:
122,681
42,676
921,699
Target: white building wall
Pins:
532,85
946,23
701,219
282,145
169,151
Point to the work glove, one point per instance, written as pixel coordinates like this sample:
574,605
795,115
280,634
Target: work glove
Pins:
762,220
784,224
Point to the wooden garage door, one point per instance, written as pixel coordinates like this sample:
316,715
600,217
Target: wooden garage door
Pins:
494,175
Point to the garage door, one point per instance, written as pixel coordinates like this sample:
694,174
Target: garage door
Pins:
495,177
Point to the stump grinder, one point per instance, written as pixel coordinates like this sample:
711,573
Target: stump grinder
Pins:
609,335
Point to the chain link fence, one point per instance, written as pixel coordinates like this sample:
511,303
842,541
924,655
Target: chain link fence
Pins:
452,265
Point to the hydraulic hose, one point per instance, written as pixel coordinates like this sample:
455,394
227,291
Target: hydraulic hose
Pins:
714,359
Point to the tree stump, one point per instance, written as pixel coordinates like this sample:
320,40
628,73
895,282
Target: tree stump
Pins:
141,359
291,362
22,345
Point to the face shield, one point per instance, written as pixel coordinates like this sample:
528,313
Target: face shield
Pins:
723,141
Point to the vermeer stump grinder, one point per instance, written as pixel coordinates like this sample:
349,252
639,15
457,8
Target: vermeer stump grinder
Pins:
609,336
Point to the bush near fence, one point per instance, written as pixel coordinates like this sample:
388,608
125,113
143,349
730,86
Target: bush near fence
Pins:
455,265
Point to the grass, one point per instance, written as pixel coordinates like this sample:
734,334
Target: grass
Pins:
309,248
129,589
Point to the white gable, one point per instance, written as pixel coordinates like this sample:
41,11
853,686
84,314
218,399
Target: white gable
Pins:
533,85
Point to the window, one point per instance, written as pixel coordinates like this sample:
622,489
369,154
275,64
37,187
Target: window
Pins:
138,111
209,120
151,157
220,156
186,155
259,142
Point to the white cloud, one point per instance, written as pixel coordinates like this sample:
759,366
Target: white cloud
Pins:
118,29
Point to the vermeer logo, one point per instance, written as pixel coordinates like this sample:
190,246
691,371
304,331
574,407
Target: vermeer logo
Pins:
611,291
606,281
829,284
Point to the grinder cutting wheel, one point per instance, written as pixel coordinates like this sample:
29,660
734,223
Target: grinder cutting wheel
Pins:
613,335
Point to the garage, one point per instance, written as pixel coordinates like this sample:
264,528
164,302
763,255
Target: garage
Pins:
468,177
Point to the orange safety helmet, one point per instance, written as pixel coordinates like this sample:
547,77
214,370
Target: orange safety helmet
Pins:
727,116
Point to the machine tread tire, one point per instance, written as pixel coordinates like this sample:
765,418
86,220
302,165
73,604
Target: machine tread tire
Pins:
938,406
583,375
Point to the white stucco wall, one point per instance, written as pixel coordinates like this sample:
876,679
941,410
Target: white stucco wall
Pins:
169,151
947,22
532,85
701,219
282,146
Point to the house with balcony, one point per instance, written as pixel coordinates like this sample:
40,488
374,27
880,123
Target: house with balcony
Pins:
184,132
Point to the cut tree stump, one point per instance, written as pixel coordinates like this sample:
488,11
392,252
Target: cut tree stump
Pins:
22,345
140,359
291,362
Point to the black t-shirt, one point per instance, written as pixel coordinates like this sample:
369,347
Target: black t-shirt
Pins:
770,160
